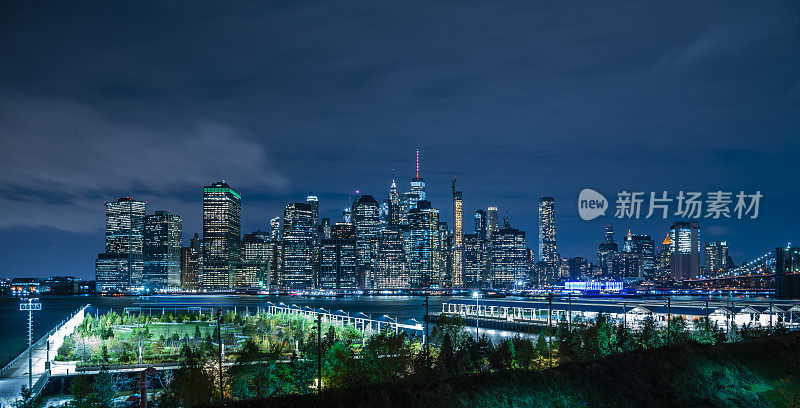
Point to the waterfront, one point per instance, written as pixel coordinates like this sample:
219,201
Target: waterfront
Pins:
56,308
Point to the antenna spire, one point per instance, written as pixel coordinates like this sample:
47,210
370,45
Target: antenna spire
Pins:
417,163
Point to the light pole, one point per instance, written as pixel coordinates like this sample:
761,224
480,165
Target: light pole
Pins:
392,320
477,297
30,307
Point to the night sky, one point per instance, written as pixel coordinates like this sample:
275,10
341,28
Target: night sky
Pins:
518,99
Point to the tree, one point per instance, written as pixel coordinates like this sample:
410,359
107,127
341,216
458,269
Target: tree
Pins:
446,361
649,336
192,385
503,356
26,398
103,390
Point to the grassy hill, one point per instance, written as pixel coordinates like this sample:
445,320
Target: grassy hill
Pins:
760,373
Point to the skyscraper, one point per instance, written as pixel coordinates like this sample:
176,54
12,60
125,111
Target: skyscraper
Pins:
392,269
480,223
256,259
121,266
275,229
417,187
298,242
421,243
685,259
644,247
162,250
338,259
474,260
547,231
716,256
191,261
509,260
222,228
458,235
394,205
492,222
606,251
366,218
578,267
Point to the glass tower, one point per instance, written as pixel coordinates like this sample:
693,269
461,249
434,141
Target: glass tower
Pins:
222,228
162,250
121,266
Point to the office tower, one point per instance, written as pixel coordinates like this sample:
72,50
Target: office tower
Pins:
222,228
444,246
458,236
492,222
609,234
121,266
274,255
313,202
644,247
417,188
394,205
256,258
509,257
626,265
275,229
480,223
343,230
421,243
383,216
338,267
474,260
685,259
347,215
665,257
391,267
547,231
716,257
578,268
325,228
162,250
298,243
365,220
190,264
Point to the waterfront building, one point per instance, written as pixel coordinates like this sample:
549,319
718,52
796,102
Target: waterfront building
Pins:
256,260
162,250
716,259
458,237
392,268
644,247
191,260
474,260
421,243
366,220
222,228
547,232
298,241
122,265
509,257
338,267
685,257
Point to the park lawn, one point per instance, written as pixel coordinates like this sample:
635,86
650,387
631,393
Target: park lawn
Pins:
157,329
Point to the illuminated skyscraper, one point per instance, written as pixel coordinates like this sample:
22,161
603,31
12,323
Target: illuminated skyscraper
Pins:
162,250
421,243
716,256
298,242
256,258
338,259
685,259
509,257
547,232
394,205
492,221
644,247
222,228
275,229
191,262
366,219
480,223
325,228
417,187
474,260
458,236
121,266
392,269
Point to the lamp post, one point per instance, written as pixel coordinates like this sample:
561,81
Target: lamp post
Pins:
30,306
392,320
477,297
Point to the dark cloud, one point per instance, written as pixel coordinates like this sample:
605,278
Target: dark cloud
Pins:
519,99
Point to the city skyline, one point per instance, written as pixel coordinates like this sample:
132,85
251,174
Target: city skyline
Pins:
613,97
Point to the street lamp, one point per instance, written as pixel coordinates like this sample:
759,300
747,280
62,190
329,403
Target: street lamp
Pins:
393,320
477,296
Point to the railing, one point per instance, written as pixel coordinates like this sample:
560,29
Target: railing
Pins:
39,342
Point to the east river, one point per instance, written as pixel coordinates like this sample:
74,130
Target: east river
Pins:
56,308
